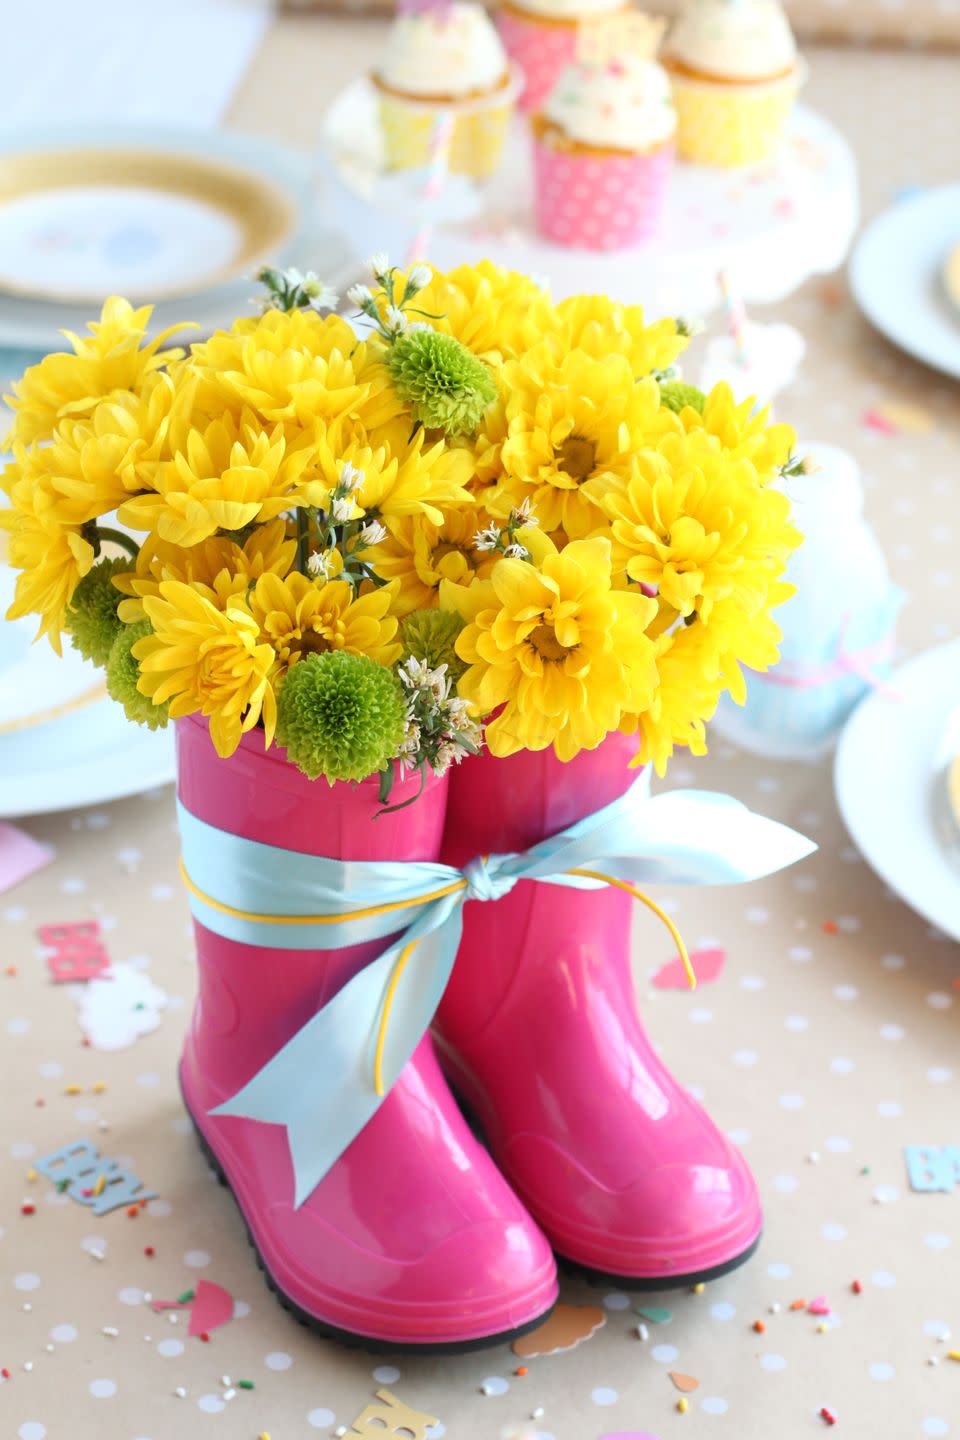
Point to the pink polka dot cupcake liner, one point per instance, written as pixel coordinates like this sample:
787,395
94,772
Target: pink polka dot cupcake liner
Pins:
600,201
541,50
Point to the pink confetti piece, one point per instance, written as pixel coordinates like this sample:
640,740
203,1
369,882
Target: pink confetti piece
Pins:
20,856
876,420
707,964
212,1307
79,953
819,1306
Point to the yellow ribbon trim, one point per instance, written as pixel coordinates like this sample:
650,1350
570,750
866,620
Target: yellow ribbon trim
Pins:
408,950
54,712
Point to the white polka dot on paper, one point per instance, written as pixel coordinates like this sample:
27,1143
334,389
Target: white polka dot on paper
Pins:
935,1426
800,954
797,1023
745,1058
241,1309
714,1405
170,1348
779,1270
494,1385
805,883
739,1136
939,1075
752,982
791,1101
837,1145
664,1354
18,1026
892,1032
700,1016
884,1279
159,1209
22,1150
833,1230
211,1404
880,1370
148,1079
889,1109
386,1374
196,1259
26,1281
280,1360
93,1242
723,1310
936,1329
438,1431
161,892
773,1362
616,1300
841,1065
320,1418
73,885
102,1389
603,1395
50,1069
63,1334
756,915
939,1000
85,1115
937,1241
32,1430
849,924
786,1184
845,992
130,1295
886,1194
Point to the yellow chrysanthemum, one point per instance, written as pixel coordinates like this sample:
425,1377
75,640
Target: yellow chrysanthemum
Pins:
295,369
699,532
402,475
116,357
572,425
298,616
419,555
496,313
737,431
201,658
602,327
268,550
222,477
551,642
53,560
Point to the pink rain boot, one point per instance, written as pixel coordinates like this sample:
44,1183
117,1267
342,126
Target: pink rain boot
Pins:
538,1032
412,1239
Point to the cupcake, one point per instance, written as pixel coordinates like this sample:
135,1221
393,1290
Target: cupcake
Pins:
735,73
445,81
603,153
541,38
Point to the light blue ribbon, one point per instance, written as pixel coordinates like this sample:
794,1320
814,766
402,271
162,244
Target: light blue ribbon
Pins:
320,1085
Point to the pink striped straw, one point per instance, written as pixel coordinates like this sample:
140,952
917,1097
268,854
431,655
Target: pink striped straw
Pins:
736,313
441,141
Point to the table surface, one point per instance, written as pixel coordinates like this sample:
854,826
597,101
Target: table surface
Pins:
839,1043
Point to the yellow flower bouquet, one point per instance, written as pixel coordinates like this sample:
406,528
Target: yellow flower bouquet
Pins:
473,526
507,513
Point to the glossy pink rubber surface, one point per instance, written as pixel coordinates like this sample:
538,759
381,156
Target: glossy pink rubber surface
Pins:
413,1238
540,1034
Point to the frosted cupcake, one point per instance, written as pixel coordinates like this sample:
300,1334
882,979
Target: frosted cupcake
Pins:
736,74
541,38
603,153
445,82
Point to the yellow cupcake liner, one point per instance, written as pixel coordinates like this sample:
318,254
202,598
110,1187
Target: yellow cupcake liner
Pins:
479,135
730,125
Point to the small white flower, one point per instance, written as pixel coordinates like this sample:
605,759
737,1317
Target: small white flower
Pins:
350,478
373,532
396,321
320,295
414,325
516,552
419,276
341,509
523,514
487,539
360,295
318,564
412,672
378,264
447,754
292,277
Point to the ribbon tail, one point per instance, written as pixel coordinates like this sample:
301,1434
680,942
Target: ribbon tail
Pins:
320,1085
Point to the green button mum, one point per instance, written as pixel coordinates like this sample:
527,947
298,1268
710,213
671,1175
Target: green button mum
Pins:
341,716
123,672
431,636
445,386
675,395
92,617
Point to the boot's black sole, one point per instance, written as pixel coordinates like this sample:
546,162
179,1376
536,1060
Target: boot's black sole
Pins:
349,1338
658,1282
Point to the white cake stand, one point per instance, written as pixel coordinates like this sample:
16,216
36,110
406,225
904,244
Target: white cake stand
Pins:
771,227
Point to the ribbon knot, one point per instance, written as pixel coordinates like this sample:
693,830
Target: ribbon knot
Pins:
483,883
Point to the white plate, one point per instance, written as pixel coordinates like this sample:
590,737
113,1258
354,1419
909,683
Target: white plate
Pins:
891,784
771,226
896,275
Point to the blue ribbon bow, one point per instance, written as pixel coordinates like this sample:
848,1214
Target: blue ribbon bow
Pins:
320,1086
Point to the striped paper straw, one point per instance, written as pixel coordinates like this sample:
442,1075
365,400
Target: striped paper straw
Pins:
736,315
441,141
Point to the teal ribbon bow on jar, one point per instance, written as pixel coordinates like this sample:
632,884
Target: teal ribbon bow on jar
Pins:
327,1082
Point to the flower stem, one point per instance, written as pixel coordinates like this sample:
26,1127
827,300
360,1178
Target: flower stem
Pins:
303,539
117,537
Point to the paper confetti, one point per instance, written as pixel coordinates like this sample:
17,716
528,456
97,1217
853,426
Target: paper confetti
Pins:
932,1168
657,1314
567,1327
77,1168
114,1011
20,856
819,1306
708,965
686,1383
389,1416
895,418
212,1306
79,953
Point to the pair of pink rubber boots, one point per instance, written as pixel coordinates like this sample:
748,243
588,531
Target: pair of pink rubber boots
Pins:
419,1236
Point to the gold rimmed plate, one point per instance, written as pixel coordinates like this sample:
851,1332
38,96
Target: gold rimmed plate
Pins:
79,223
